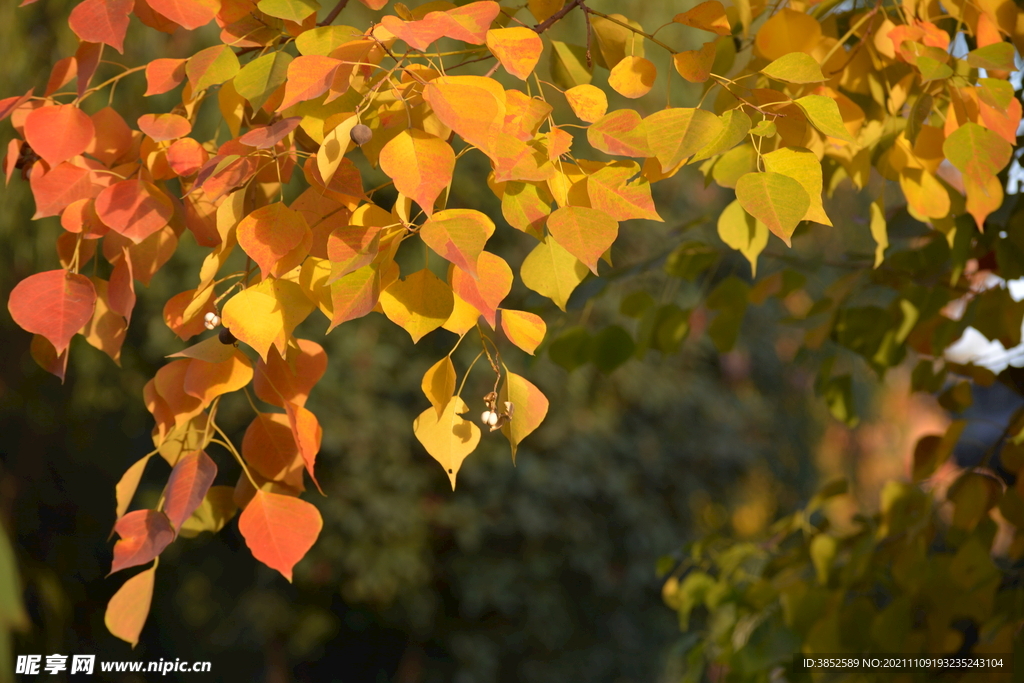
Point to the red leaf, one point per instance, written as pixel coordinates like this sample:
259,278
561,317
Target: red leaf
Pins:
189,13
308,434
152,19
164,75
9,104
280,381
102,21
487,293
162,127
113,137
47,358
88,58
58,132
122,288
266,137
133,208
190,479
279,530
55,304
80,218
186,156
61,74
274,237
127,610
144,534
59,187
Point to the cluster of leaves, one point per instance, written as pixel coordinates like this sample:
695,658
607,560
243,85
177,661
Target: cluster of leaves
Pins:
797,101
917,577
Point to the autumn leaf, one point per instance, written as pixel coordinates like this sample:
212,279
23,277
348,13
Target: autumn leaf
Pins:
102,21
207,380
418,304
525,330
552,271
517,48
676,134
58,132
279,530
472,106
621,132
278,381
776,200
129,607
54,304
708,16
584,232
163,75
191,14
458,235
617,190
588,102
275,237
269,447
530,407
134,208
633,77
695,65
448,438
420,164
144,535
439,384
190,479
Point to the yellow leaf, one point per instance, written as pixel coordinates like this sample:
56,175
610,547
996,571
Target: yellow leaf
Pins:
621,132
463,318
552,271
335,145
802,166
616,190
266,314
420,164
695,65
569,65
675,134
823,113
633,77
787,31
796,67
530,407
517,48
127,610
735,126
615,41
418,304
439,384
743,232
472,106
588,102
448,438
525,330
542,9
216,510
878,231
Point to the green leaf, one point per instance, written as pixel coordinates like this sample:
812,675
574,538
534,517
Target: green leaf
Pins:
634,304
995,92
977,151
796,67
734,164
292,10
735,126
690,259
932,69
572,348
802,166
569,65
552,271
323,40
765,128
676,134
998,56
823,113
743,232
611,348
210,67
258,79
729,298
776,200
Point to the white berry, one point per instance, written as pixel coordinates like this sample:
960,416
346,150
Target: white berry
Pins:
210,316
212,321
492,419
486,417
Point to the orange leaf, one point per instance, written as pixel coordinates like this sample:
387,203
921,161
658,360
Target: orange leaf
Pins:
307,433
276,237
126,486
472,106
60,187
190,479
420,164
351,247
58,132
621,132
584,232
309,77
106,329
469,23
54,304
113,137
127,610
633,77
588,102
279,530
170,386
206,381
708,16
191,14
162,127
354,295
186,156
164,75
134,208
517,48
417,34
265,137
525,330
269,447
174,313
524,115
144,535
279,381
102,21
458,235
695,65
486,293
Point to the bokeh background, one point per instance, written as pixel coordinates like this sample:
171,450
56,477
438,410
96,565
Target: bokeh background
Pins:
540,572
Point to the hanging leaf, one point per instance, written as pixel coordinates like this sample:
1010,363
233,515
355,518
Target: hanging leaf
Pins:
569,65
102,21
675,134
743,232
525,330
459,236
486,292
279,530
776,200
707,16
144,535
129,607
823,113
290,10
59,132
420,164
552,271
517,48
206,381
796,67
613,190
211,67
530,407
278,381
633,77
588,102
261,77
472,106
439,384
191,14
54,304
447,437
418,304
164,75
695,65
134,208
275,237
266,314
190,479
269,447
621,132
584,232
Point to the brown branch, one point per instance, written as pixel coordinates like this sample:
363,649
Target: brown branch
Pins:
333,14
547,23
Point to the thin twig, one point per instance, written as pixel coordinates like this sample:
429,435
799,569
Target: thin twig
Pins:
549,22
333,14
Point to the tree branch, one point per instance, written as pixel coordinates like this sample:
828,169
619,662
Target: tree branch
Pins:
547,23
333,14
